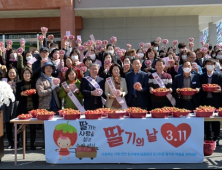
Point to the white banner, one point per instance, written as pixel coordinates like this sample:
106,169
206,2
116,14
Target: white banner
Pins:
150,140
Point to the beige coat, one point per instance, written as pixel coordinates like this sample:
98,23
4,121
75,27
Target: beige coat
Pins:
108,92
43,88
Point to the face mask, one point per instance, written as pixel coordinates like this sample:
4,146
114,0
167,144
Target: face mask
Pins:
141,55
187,70
52,49
210,67
28,58
93,56
132,57
75,57
184,57
110,51
13,56
156,48
219,57
214,55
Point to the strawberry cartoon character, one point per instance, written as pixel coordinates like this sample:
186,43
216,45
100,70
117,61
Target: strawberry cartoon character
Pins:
65,136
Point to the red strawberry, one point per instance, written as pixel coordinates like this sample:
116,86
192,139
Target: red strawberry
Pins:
67,131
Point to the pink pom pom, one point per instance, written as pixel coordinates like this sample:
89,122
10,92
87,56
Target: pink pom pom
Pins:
22,41
9,42
81,48
40,37
71,37
141,44
159,39
20,50
191,39
175,42
98,42
147,45
165,41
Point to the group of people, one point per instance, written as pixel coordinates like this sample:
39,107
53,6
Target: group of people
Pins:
107,78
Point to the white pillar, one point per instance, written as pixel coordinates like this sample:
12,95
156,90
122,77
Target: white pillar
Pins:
212,33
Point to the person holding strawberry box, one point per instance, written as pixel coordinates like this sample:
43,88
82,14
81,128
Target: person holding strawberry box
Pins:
211,98
27,102
137,95
151,55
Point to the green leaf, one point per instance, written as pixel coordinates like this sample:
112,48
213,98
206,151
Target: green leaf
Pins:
66,128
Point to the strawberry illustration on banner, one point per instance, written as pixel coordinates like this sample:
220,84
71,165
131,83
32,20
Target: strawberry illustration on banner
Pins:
20,50
56,81
99,92
71,37
44,29
40,37
137,86
64,69
9,42
176,136
65,136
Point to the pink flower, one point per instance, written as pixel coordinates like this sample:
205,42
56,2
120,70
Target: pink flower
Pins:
40,37
147,45
141,44
175,42
159,39
81,48
128,45
71,37
90,42
20,50
44,29
78,41
51,37
105,42
22,41
9,42
191,39
62,52
204,49
165,41
117,49
98,42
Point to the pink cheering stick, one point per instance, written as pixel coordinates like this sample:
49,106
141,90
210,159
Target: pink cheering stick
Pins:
56,81
9,42
159,40
65,38
51,37
175,42
22,41
62,52
107,62
123,51
99,92
44,29
78,41
1,44
111,41
40,37
191,39
85,44
119,53
20,50
145,50
98,42
165,41
105,42
141,45
81,48
206,45
129,46
218,46
204,50
191,44
126,66
90,42
148,63
3,49
98,47
71,37
147,45
114,39
64,69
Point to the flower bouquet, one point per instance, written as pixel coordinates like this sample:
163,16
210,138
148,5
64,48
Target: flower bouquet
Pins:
6,93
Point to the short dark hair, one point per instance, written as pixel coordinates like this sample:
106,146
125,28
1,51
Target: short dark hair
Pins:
86,59
26,69
150,50
109,45
210,61
114,65
159,60
106,54
137,58
154,43
182,45
187,62
69,71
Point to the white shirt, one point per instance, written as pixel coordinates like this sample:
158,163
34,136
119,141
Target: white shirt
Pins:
210,74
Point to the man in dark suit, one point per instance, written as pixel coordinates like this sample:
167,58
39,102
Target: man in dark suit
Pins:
91,99
137,97
187,80
212,99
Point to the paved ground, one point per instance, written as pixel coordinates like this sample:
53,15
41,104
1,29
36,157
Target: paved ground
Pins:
36,160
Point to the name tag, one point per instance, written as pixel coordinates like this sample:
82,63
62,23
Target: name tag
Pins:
194,82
